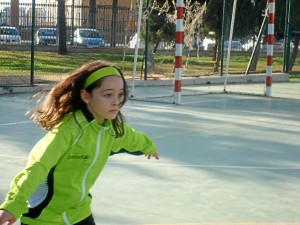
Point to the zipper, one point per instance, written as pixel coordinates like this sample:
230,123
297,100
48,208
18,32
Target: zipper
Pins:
67,221
83,189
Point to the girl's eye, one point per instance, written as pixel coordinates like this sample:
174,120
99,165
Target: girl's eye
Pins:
121,95
107,95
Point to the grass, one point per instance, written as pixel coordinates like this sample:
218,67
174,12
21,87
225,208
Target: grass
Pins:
50,64
294,76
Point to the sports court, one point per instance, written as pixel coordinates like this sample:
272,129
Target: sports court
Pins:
224,159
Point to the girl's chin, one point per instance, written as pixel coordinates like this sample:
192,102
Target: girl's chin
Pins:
111,117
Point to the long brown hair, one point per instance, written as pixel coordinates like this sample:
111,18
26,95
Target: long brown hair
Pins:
64,98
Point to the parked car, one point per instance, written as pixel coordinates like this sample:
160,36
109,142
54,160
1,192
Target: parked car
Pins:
197,44
133,41
208,44
235,45
45,36
141,43
88,37
9,35
249,44
278,45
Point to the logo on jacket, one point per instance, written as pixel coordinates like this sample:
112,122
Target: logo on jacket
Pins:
75,157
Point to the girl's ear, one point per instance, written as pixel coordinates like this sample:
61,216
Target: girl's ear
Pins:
85,96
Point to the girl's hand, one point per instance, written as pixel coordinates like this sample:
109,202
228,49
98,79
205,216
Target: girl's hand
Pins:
6,218
155,155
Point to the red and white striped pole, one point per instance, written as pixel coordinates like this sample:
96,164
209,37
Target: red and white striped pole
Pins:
178,50
271,26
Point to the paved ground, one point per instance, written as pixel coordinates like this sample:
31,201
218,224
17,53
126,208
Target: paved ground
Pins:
225,158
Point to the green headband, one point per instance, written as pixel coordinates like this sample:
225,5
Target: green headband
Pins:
98,74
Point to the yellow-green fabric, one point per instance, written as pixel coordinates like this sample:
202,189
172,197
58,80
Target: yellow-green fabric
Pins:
75,151
98,74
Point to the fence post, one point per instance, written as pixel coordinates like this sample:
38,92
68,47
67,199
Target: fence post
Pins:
224,16
32,44
286,55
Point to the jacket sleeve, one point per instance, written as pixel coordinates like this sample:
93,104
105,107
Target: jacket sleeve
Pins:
134,142
42,158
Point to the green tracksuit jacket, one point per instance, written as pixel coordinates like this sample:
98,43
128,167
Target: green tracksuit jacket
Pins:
54,187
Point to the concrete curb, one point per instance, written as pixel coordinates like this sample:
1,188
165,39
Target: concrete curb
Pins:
24,89
232,79
255,78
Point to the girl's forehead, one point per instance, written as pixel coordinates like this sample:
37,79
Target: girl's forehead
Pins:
112,82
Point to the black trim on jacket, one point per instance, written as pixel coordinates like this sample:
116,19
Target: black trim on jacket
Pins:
36,211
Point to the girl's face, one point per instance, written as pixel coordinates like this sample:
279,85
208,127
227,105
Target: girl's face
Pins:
105,102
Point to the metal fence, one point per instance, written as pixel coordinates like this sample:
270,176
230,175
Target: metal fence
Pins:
76,16
196,62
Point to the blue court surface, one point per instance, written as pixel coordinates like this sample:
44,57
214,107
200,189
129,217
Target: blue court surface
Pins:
224,159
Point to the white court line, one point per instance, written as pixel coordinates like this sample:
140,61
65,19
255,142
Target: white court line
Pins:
14,157
186,165
216,100
205,101
8,124
209,166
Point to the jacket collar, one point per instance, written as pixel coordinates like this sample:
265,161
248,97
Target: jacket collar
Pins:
85,113
88,115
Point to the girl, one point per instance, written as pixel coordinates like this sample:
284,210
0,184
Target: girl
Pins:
85,125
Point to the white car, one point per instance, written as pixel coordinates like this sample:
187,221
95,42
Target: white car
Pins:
9,35
88,37
45,36
235,45
133,41
208,44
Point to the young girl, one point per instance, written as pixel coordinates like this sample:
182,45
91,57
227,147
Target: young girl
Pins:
85,125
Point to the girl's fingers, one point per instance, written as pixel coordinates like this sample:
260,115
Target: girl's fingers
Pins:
155,155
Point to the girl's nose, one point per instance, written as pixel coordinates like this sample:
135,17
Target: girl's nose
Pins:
116,100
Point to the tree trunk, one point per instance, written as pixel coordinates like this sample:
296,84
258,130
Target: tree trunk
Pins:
14,4
92,14
151,53
294,53
61,25
217,56
215,51
114,23
253,64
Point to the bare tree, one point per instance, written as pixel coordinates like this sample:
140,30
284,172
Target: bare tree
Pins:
192,24
193,18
